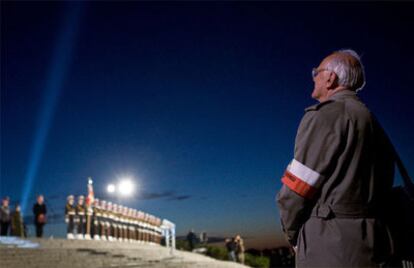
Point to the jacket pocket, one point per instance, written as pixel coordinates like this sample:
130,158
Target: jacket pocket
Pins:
301,251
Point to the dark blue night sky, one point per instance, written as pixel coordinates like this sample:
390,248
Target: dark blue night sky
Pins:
198,101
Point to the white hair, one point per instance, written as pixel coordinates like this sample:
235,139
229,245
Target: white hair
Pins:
351,74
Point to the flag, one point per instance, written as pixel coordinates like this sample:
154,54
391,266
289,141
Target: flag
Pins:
90,199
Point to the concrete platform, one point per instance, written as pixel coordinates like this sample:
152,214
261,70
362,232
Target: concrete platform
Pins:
62,253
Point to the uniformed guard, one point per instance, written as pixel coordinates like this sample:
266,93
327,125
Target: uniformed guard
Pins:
81,217
120,223
160,232
89,226
334,188
151,228
70,214
128,223
104,220
135,224
110,222
140,226
115,223
96,219
125,223
143,227
146,228
132,225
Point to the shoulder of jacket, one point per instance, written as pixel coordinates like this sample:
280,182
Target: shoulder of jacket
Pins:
318,106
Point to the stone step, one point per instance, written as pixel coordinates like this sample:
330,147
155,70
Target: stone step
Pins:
100,254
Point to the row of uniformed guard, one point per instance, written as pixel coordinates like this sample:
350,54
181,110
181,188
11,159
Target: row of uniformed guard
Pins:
107,221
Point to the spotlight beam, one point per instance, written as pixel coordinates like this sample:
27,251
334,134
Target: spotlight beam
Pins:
53,87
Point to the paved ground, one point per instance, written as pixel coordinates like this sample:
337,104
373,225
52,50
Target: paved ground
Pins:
61,253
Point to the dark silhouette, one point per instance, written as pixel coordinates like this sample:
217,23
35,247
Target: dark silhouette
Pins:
39,212
17,227
4,217
231,248
191,238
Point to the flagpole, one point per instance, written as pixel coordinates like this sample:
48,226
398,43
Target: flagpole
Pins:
89,202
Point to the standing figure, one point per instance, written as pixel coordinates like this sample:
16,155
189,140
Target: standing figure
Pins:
110,222
239,249
140,226
96,219
231,248
81,217
159,231
340,179
39,211
124,214
121,222
146,229
115,222
135,223
5,217
104,220
152,233
131,233
17,228
191,239
70,214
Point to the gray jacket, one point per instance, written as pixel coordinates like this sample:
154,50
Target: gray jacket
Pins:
5,214
342,171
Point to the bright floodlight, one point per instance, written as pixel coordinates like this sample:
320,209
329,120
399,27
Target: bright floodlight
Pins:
126,187
110,188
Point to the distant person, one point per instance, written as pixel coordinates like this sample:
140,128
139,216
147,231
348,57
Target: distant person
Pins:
239,249
203,238
341,175
81,217
231,248
70,214
191,238
17,227
39,212
5,217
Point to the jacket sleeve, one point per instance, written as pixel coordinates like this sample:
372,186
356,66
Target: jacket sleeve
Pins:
317,144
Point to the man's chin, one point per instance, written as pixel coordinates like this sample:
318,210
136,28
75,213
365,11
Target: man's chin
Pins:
314,95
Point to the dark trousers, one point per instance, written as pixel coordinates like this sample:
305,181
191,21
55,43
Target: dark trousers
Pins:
4,228
71,224
81,224
96,225
39,229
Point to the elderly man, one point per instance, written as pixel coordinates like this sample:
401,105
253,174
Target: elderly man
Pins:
341,173
39,212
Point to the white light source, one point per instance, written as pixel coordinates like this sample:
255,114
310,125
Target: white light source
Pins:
126,187
110,188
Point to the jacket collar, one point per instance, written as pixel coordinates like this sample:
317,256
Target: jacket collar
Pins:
346,93
340,95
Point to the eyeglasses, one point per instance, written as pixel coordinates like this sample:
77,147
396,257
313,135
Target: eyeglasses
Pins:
315,71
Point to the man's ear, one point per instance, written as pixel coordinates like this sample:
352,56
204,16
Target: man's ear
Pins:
332,81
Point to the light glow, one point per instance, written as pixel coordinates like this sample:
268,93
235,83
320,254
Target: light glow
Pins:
126,187
111,188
